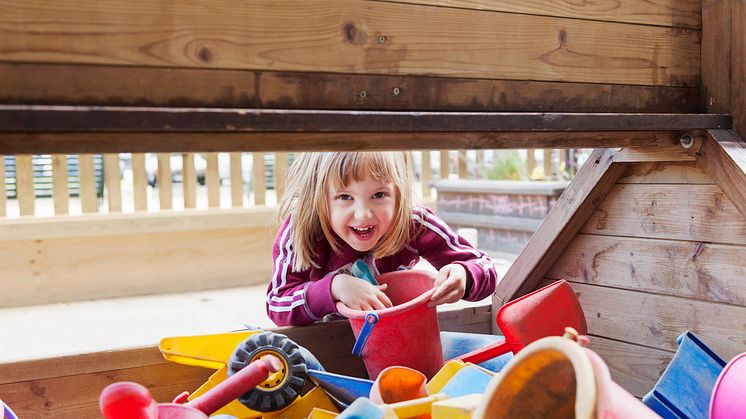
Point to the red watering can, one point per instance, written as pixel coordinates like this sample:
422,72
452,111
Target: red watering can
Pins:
544,312
127,400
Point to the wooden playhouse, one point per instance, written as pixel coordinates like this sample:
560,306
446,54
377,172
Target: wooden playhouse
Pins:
650,233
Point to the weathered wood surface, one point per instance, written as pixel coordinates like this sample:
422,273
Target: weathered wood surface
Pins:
53,84
665,172
699,213
351,37
32,118
42,143
723,156
568,215
69,387
684,13
703,271
636,368
89,257
656,320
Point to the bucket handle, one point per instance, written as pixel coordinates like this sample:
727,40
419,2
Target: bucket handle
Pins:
370,321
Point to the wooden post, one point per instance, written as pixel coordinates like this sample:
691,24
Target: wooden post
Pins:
547,163
236,180
113,182
259,184
281,174
87,174
463,171
444,164
189,180
212,180
25,184
2,186
139,182
165,184
426,174
60,193
530,161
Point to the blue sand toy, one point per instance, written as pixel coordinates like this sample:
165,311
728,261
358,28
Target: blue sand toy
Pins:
684,389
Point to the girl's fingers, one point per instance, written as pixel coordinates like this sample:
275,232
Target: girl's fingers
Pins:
385,300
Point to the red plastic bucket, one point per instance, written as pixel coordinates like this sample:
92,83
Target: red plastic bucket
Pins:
406,334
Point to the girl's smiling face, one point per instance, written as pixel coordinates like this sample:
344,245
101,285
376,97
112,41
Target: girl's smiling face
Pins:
362,212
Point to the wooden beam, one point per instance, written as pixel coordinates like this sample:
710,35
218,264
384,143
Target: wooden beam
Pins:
351,36
661,13
566,218
148,142
723,157
125,85
71,143
34,118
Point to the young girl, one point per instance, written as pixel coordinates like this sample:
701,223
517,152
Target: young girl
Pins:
341,207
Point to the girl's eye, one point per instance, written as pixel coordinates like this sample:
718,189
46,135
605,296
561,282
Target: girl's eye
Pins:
344,197
380,195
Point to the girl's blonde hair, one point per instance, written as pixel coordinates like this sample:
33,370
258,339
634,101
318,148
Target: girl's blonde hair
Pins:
305,200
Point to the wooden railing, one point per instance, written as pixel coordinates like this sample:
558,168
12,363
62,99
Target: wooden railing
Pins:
102,184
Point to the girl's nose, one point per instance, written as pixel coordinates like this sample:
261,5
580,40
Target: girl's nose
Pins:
362,212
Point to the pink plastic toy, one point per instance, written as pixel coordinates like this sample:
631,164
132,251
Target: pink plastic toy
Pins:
406,334
127,400
728,401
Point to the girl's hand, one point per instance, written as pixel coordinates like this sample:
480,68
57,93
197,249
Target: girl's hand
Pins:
450,285
359,294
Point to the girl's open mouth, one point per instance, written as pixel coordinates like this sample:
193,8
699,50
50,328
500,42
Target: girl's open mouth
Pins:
363,232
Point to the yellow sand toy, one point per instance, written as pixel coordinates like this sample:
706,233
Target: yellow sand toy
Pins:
227,353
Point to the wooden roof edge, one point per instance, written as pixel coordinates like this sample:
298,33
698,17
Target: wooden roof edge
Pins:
580,199
723,157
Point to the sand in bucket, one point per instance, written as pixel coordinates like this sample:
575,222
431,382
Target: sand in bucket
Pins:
406,334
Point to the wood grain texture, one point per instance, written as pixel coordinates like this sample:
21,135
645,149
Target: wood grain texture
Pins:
696,270
15,143
571,211
701,213
189,180
88,195
656,320
70,269
113,182
738,65
665,172
3,198
164,181
723,157
349,37
97,225
60,192
60,84
25,185
662,153
236,180
140,182
636,368
717,70
212,180
69,387
37,119
660,12
258,179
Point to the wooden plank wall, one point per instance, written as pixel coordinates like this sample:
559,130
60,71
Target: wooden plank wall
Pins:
55,260
635,56
662,254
